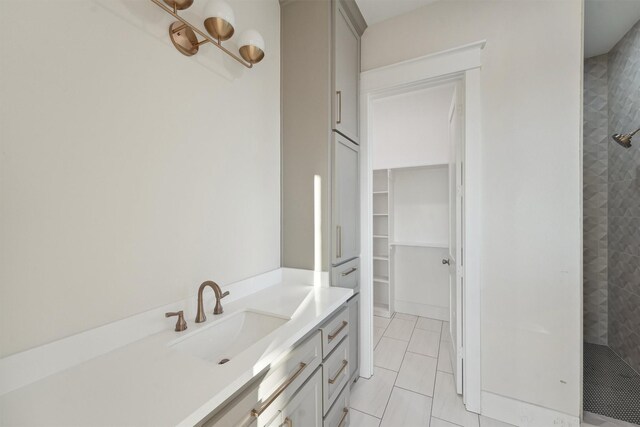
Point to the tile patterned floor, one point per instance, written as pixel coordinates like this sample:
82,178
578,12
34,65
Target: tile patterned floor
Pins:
412,383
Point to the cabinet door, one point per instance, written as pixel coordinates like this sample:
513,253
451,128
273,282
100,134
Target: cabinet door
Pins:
346,54
354,336
305,409
346,200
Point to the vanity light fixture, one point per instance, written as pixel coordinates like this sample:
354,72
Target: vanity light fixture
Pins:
219,24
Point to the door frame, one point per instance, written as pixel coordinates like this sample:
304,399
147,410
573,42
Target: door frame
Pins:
459,64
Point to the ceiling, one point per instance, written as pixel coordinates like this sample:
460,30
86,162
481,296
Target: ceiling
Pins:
605,22
379,10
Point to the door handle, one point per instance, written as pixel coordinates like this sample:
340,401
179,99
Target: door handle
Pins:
446,261
339,94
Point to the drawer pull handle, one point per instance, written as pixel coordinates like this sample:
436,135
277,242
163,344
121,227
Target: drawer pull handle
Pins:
344,417
348,272
337,331
278,392
334,379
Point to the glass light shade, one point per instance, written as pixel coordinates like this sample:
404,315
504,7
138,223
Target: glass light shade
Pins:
220,19
251,46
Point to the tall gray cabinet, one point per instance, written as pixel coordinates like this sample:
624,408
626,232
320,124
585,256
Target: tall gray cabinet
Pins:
320,72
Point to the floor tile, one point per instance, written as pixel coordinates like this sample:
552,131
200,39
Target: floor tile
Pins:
448,406
490,422
417,373
444,358
429,324
360,419
377,334
389,353
404,316
380,322
437,422
407,409
400,329
424,342
371,395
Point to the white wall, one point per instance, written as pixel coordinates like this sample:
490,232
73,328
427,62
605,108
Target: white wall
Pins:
129,173
531,222
411,129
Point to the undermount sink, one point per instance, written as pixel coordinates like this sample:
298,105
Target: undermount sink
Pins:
228,337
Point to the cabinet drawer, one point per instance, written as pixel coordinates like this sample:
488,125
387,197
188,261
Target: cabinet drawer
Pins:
338,415
334,330
285,379
261,403
347,275
335,374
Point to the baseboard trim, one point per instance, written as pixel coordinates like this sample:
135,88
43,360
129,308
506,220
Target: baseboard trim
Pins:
524,414
424,310
24,368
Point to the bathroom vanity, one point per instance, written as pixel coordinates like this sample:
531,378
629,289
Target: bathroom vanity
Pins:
278,355
307,387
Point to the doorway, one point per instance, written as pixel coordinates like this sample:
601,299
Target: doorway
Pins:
459,305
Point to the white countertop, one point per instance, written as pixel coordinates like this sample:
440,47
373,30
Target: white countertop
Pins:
149,383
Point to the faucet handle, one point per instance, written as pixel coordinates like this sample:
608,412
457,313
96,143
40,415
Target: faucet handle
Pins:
181,325
218,308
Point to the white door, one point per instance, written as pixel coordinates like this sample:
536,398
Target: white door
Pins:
455,259
346,200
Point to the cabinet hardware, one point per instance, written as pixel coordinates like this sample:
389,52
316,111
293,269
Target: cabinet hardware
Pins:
339,241
344,417
334,379
446,261
278,392
339,93
337,331
288,422
348,272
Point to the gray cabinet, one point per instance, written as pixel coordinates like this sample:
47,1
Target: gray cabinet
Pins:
320,66
346,200
354,337
346,54
305,409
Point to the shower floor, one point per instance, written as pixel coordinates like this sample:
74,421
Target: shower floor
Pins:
611,387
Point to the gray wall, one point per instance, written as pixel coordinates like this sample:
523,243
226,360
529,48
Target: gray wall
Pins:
624,200
595,163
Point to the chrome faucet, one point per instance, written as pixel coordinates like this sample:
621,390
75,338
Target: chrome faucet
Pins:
200,316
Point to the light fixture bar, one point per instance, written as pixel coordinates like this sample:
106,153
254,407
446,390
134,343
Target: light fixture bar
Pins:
208,39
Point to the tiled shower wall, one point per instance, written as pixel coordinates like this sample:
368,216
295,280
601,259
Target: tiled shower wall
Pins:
595,131
624,200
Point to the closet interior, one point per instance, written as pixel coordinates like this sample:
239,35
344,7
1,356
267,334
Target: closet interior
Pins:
410,204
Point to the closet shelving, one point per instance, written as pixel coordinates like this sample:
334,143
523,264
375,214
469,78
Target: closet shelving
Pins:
410,238
381,245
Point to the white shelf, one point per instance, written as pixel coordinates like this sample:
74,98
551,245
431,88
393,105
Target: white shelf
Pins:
381,310
380,214
381,258
381,192
381,279
422,244
380,236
